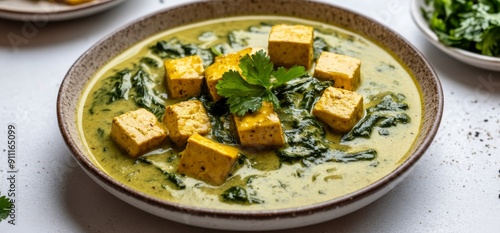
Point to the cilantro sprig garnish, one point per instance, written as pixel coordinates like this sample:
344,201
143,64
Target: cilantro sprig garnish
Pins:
4,207
247,91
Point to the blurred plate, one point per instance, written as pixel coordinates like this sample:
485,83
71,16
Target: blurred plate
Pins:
474,59
40,10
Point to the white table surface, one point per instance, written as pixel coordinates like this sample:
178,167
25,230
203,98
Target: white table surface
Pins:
455,187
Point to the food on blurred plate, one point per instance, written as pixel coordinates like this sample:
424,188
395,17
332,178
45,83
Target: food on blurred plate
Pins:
71,2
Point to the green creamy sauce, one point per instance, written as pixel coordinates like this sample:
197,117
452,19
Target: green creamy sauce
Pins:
270,182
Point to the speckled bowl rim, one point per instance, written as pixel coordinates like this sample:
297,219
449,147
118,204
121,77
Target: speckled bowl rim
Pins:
431,94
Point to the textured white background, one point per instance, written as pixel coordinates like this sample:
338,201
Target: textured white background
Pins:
455,187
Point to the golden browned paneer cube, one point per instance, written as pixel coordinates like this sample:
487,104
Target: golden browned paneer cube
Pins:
343,70
261,128
184,76
222,64
184,119
340,109
291,45
137,132
207,160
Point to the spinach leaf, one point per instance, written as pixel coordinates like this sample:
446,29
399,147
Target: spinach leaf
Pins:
122,85
173,48
175,179
140,87
145,96
320,45
386,111
239,195
150,62
170,176
223,128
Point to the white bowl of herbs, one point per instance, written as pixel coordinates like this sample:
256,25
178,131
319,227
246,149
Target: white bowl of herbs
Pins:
469,31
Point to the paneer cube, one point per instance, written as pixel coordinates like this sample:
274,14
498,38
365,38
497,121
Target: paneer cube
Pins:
184,76
221,65
291,45
260,129
185,119
207,160
340,109
137,132
343,70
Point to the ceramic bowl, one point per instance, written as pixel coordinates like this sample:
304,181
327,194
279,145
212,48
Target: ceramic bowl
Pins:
84,68
474,59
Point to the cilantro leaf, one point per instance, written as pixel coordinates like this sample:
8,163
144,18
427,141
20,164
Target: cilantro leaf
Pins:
241,105
271,97
491,42
257,68
4,207
242,96
246,93
282,75
233,85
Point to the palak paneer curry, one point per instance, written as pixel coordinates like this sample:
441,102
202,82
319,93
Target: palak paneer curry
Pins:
254,112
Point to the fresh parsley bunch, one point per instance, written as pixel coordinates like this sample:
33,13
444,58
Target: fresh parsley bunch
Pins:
245,92
4,207
472,25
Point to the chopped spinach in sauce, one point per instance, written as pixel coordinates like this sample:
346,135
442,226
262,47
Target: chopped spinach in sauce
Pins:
305,135
173,178
240,195
387,110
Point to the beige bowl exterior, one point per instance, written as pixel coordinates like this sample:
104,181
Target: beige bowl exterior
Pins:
84,68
